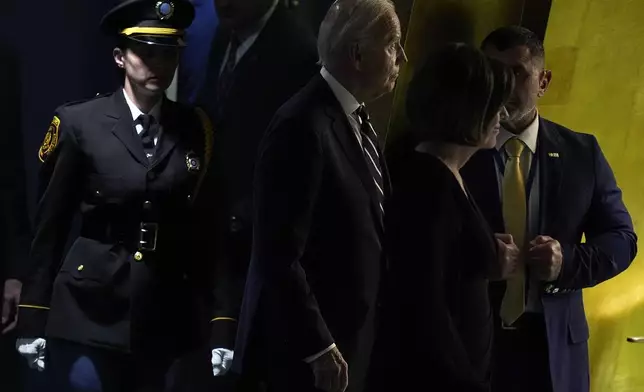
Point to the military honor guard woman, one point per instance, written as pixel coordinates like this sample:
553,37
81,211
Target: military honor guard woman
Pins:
127,299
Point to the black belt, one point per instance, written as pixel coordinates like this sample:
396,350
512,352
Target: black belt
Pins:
142,236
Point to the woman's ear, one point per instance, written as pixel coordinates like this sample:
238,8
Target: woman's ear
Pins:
119,57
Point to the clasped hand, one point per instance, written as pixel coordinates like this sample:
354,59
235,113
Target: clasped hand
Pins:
543,256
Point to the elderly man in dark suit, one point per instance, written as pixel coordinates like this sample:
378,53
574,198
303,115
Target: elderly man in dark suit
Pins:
259,58
553,186
312,291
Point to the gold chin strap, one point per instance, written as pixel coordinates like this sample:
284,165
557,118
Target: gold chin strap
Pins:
152,30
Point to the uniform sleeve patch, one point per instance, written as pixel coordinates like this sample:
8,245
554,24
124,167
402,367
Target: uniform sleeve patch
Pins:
51,139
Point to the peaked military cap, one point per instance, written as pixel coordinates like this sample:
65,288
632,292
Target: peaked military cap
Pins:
150,21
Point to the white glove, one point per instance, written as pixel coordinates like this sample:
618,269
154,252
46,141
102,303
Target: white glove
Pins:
221,360
33,349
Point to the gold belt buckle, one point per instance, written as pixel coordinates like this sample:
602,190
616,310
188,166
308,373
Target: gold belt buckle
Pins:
148,236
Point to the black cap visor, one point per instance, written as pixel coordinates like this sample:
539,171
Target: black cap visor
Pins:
161,40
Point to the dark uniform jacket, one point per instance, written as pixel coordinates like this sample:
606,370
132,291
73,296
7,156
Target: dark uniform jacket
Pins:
106,291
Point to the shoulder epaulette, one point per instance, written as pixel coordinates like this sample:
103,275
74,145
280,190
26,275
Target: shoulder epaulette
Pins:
81,101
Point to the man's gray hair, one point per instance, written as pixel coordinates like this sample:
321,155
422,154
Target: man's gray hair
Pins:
348,22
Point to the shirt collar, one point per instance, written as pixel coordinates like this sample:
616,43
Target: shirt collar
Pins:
348,102
528,136
136,112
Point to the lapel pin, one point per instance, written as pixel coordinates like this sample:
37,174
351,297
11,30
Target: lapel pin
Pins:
553,154
192,162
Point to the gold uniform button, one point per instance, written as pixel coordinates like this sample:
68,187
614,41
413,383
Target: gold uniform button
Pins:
80,267
138,256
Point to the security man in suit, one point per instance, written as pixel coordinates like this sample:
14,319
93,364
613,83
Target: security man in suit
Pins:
128,298
261,56
553,186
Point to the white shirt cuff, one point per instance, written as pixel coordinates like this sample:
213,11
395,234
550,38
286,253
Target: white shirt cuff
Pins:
318,355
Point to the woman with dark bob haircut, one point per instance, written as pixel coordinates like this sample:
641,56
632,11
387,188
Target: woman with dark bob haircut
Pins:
437,333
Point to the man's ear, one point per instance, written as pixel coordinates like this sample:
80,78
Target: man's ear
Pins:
355,54
544,81
119,55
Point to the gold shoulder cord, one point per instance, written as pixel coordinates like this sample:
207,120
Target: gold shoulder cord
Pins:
209,141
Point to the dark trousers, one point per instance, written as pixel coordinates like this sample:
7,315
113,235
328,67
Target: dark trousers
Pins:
520,360
79,368
289,377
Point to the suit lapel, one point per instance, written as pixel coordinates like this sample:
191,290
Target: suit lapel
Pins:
170,132
208,94
551,171
123,128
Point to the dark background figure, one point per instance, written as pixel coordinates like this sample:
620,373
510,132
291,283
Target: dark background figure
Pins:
570,190
194,59
14,221
311,298
274,57
437,323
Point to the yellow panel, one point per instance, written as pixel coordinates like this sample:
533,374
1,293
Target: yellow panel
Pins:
436,21
596,51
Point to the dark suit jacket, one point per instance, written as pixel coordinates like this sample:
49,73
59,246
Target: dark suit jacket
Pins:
317,257
578,195
99,294
437,323
280,62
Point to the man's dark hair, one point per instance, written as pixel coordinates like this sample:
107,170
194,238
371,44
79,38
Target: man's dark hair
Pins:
456,94
509,37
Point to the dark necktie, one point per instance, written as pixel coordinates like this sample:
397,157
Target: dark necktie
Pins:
371,152
228,72
150,131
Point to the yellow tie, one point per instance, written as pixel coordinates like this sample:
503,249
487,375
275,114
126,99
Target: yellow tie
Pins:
514,216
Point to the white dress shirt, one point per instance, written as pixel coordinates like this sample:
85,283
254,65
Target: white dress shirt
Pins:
249,40
529,138
348,102
136,112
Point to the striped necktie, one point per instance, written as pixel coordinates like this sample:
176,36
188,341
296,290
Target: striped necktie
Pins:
514,217
371,152
150,131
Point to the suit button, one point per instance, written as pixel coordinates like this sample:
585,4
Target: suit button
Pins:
147,205
189,197
152,176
